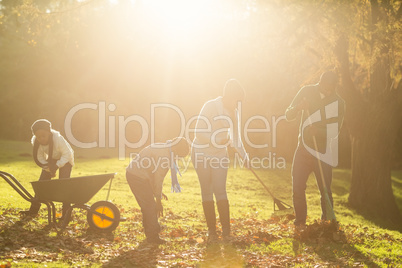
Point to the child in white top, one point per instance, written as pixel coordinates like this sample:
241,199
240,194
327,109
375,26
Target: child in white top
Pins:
51,152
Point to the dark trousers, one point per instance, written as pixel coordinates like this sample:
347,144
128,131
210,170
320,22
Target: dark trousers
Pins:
303,164
144,195
64,172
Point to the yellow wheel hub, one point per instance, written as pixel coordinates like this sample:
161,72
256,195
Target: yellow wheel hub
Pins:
103,223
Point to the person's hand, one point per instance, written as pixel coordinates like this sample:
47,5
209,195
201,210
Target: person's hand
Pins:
46,169
164,197
159,208
52,169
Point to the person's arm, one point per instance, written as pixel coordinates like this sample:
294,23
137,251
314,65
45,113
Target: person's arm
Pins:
157,184
342,110
297,105
66,151
340,117
203,126
159,170
236,139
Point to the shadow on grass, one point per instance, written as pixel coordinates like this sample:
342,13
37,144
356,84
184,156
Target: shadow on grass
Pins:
221,255
145,255
383,223
336,253
341,187
95,235
21,240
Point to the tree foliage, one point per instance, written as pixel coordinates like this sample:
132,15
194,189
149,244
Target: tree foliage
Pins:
376,109
363,38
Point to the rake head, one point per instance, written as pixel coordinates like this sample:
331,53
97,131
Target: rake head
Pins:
281,205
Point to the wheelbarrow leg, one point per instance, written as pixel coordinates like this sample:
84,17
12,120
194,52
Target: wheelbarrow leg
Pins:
50,209
53,212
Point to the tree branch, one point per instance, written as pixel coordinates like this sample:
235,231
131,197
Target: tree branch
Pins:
355,105
374,12
398,14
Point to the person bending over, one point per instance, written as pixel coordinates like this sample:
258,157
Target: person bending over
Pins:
145,175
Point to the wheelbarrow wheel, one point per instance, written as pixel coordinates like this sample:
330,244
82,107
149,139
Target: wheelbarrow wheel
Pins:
100,222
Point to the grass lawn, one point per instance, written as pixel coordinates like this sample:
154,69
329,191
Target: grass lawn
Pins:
261,240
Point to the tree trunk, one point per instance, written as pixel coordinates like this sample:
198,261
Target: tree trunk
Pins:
372,154
373,125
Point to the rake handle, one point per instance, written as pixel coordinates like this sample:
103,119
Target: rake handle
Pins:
281,205
327,200
263,184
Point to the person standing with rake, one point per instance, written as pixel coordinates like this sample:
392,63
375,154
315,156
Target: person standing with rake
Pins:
322,112
218,126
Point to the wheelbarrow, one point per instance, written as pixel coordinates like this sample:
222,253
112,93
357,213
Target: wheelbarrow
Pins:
102,216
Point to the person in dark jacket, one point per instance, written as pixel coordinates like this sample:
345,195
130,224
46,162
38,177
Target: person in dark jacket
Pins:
322,113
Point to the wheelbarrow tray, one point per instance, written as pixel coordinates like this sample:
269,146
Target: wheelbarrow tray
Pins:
77,190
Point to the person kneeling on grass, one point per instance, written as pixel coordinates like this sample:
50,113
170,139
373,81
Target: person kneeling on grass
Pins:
145,175
50,152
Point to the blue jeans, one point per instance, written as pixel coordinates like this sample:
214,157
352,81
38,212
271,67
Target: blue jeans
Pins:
64,172
144,195
212,178
303,164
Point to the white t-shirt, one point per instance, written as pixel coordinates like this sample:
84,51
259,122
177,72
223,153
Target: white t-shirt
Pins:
214,126
62,151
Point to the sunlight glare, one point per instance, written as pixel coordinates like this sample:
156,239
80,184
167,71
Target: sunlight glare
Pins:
181,17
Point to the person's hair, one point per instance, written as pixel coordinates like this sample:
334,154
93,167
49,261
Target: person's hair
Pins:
45,125
180,146
233,89
329,77
41,124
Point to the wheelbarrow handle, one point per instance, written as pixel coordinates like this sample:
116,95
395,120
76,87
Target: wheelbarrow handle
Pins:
16,185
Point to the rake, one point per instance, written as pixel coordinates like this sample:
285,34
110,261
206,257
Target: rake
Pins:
329,210
277,203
